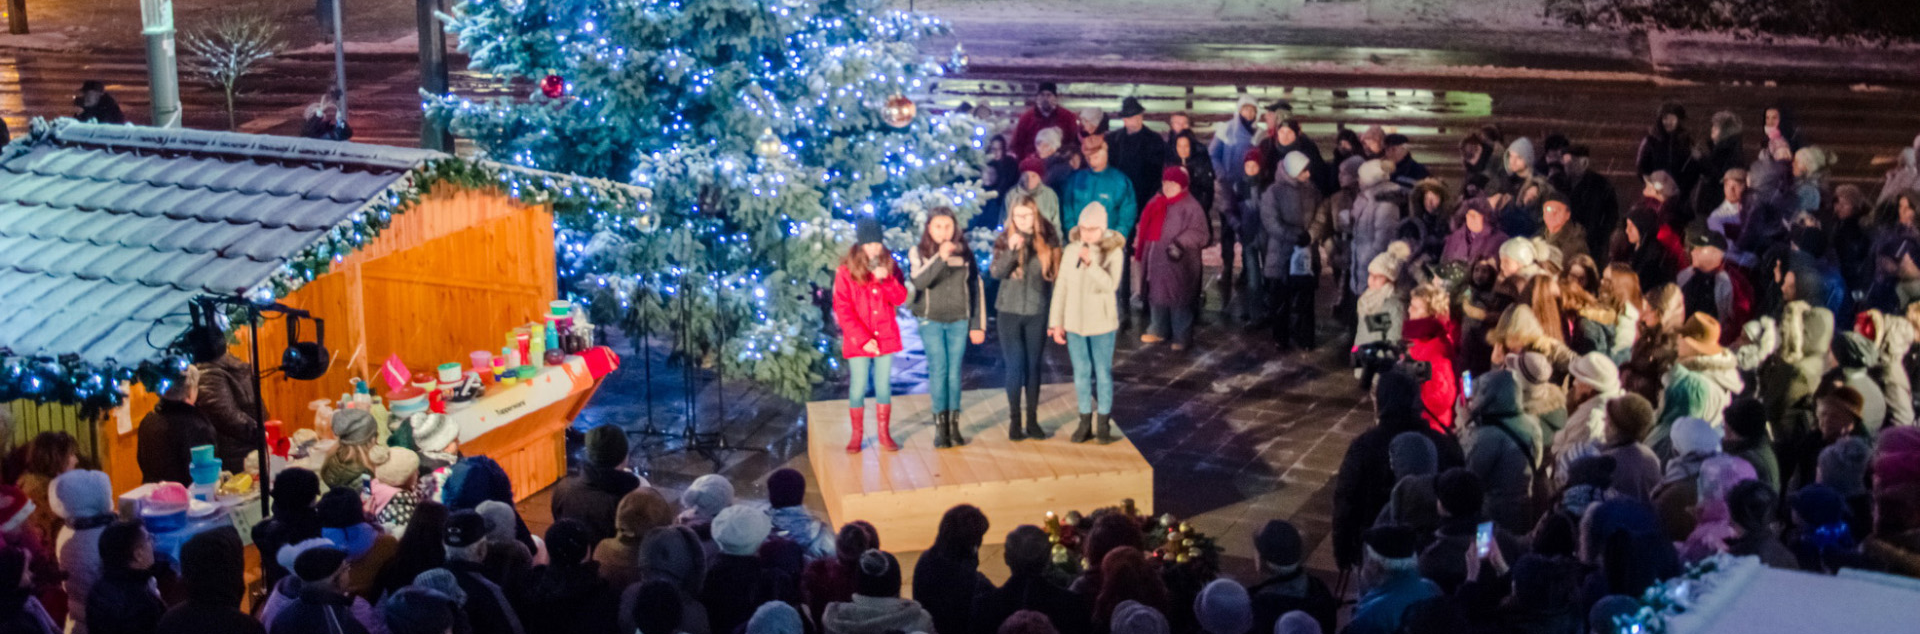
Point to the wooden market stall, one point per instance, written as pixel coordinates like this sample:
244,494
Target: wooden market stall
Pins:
147,220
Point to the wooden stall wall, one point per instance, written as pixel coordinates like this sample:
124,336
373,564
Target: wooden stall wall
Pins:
449,277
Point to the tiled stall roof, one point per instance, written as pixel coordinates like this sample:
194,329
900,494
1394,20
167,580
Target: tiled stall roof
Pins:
107,232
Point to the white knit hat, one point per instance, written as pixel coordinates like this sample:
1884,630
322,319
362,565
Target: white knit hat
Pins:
398,467
740,529
1596,371
1388,263
1519,250
1293,163
1373,173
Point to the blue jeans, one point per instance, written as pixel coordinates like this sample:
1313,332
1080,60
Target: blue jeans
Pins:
878,370
1092,370
946,343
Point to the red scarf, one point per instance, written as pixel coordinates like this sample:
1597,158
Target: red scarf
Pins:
1151,219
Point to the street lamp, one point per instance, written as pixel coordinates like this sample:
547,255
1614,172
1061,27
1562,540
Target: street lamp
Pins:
163,73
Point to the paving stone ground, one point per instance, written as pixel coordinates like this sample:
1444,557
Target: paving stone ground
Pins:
1237,431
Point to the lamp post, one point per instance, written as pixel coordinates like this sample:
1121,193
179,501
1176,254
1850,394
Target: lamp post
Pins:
339,60
163,73
433,71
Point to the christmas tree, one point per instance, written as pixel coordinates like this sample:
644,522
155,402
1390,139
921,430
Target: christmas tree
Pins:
763,127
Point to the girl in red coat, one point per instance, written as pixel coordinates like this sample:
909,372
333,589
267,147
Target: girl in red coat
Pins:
1430,340
866,293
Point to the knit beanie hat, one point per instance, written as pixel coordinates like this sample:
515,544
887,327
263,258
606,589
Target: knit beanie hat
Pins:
1747,416
866,230
317,561
417,611
1175,174
1411,454
708,495
786,487
1223,607
641,510
1255,156
568,541
1293,163
1695,436
1519,250
1843,466
878,576
442,582
400,466
1387,264
1596,371
1373,173
502,519
1897,458
1531,368
775,617
1133,617
1278,543
14,508
1094,215
1459,492
740,529
1819,505
1033,165
354,426
83,493
1524,148
606,446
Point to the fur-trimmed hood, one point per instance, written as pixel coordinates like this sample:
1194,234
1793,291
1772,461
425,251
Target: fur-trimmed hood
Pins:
1721,369
1109,241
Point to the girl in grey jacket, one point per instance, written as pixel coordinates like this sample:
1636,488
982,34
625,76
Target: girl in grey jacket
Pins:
950,301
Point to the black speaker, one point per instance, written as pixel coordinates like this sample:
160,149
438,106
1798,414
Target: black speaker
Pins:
305,360
206,338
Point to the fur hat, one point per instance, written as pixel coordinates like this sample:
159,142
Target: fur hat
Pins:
1849,399
1224,607
1519,250
1293,163
399,467
1373,173
740,529
1596,371
708,495
1693,435
641,510
1094,215
786,487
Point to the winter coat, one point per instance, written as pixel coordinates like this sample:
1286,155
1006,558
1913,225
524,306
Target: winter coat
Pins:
1892,338
865,311
1069,612
1595,206
1028,294
1373,304
106,110
1045,200
1201,181
1670,152
1139,156
1111,189
737,584
1444,561
1242,214
570,598
1381,609
1366,480
946,586
1083,295
1430,341
1571,240
1581,436
1033,121
227,400
1503,446
798,525
943,293
1175,281
1469,247
1231,140
1321,173
1286,210
168,435
876,615
591,495
317,611
124,601
1298,590
487,606
1375,215
80,557
1636,470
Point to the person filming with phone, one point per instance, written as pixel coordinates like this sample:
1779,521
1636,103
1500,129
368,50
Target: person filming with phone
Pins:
1463,529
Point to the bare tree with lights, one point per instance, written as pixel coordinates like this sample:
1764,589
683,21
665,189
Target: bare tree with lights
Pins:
233,48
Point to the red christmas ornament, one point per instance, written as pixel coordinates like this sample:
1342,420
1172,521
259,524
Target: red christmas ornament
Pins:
553,86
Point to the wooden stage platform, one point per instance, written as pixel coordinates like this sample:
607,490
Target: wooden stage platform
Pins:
904,493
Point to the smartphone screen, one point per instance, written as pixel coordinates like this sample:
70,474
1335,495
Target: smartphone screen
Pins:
1483,539
1466,384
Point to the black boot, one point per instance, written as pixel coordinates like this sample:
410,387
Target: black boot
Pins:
1034,432
1084,432
953,429
1103,423
940,440
1014,431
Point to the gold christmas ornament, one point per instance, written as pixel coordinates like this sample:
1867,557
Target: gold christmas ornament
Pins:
899,111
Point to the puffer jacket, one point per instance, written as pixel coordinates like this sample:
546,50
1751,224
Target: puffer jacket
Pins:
1083,295
943,293
799,526
1503,448
1286,211
1430,340
1027,293
1376,215
865,312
